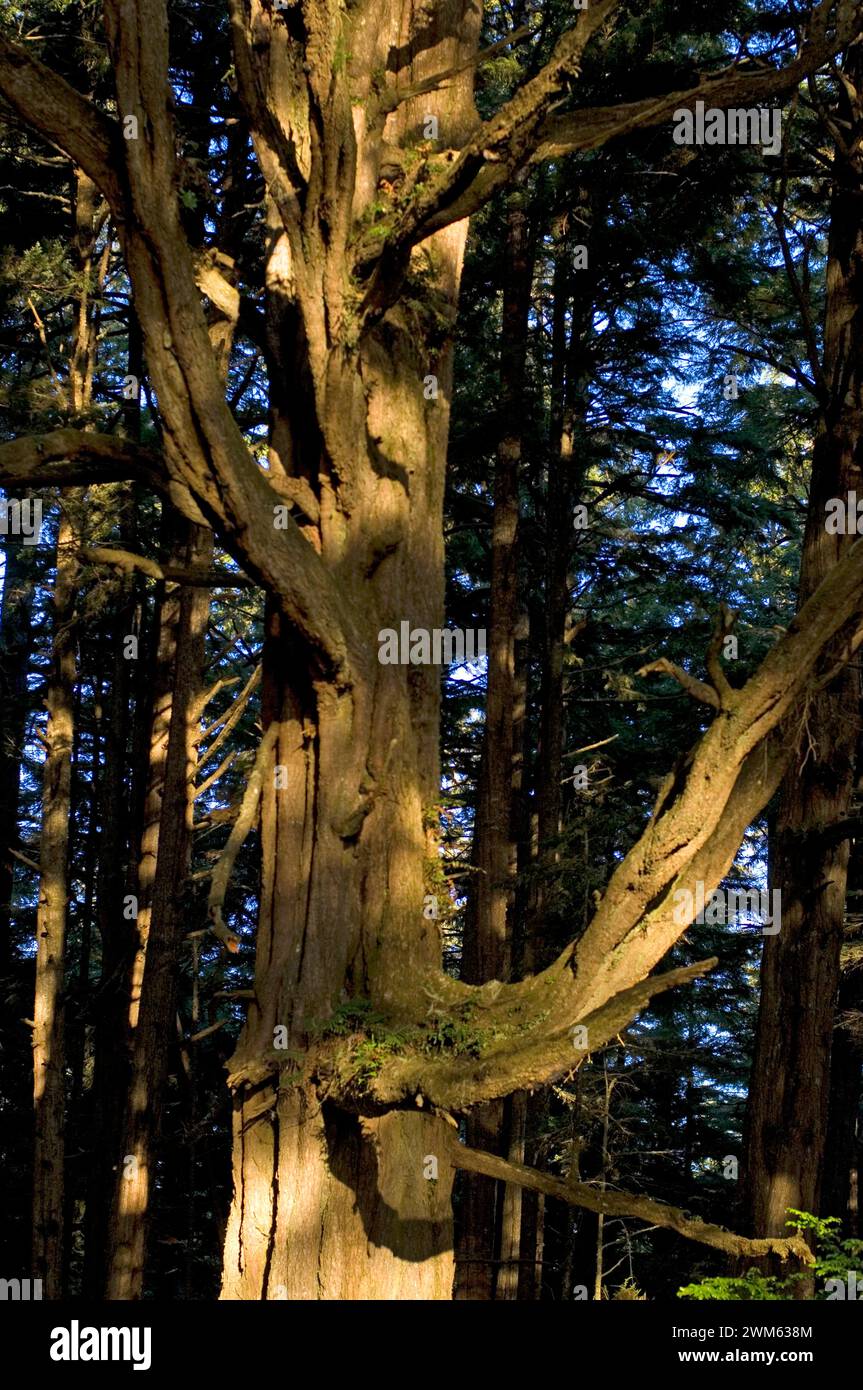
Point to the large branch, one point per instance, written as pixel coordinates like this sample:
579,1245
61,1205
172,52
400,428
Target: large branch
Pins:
699,690
67,457
502,144
49,105
629,1204
524,130
701,815
189,576
454,1083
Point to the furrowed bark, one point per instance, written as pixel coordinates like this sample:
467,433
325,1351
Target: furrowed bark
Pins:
330,1202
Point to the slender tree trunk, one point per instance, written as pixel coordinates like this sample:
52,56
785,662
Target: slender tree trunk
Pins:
15,647
488,939
111,1035
844,1133
152,1001
49,1059
840,1197
163,870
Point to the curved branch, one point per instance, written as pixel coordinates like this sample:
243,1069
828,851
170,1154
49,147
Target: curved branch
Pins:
594,126
67,457
239,831
701,815
457,1083
502,144
129,562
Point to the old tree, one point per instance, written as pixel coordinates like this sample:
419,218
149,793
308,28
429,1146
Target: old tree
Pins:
373,157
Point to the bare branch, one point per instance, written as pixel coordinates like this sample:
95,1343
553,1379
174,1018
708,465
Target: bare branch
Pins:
718,679
215,776
171,574
629,1204
699,690
16,853
65,458
232,717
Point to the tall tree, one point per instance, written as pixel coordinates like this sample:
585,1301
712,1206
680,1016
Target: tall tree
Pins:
790,1084
49,1051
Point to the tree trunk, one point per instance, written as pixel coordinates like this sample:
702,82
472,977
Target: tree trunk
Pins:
790,1083
164,870
343,1198
49,1059
15,649
335,1154
488,936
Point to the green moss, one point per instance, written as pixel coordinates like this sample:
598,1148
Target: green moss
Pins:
370,1040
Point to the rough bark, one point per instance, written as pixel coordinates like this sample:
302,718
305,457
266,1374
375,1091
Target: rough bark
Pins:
347,1209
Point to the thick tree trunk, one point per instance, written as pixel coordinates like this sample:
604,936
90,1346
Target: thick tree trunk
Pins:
331,1202
790,1083
49,1059
349,1203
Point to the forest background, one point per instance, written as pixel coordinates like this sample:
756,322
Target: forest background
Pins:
652,392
